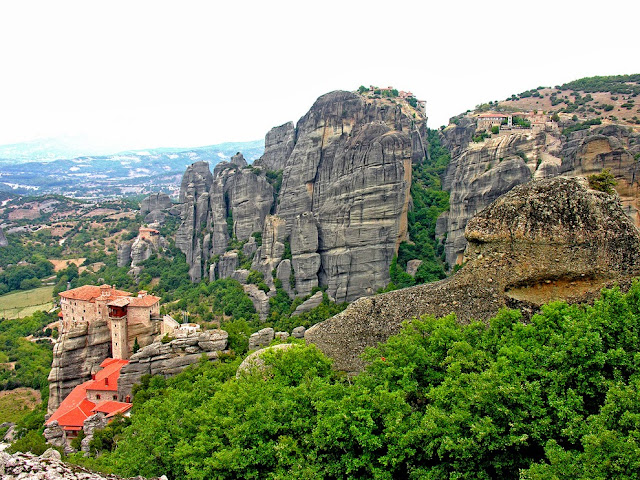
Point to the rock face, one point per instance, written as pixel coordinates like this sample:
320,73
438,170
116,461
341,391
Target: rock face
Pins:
544,240
309,304
255,362
341,205
155,202
261,338
3,239
76,355
481,172
278,145
171,358
47,467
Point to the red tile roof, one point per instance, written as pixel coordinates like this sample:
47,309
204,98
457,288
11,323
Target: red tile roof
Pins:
76,408
112,408
107,378
88,293
146,301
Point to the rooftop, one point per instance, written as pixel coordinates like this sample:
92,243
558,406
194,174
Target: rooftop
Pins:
89,293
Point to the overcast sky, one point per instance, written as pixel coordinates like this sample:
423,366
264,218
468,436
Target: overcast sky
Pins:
141,74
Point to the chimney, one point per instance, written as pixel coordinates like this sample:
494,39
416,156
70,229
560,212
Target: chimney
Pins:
106,380
93,376
142,293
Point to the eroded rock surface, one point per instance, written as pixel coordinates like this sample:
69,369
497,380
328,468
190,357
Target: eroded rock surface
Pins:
544,240
170,358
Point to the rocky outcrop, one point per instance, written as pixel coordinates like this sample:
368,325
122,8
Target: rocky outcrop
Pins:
76,355
309,304
305,260
124,254
171,358
342,204
255,361
22,466
97,421
278,145
480,172
544,240
227,264
261,338
259,299
155,202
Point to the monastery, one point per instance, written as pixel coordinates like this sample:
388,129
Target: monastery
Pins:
126,316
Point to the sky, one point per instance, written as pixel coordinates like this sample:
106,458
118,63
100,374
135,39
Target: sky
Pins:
120,75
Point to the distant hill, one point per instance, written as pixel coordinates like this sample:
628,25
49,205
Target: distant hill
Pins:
125,173
612,98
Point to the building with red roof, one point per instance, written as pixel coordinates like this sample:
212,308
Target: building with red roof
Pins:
127,316
98,395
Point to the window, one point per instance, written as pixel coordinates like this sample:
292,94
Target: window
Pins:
98,396
115,397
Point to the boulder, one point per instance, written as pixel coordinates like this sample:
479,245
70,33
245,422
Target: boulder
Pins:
259,299
298,332
308,304
413,266
261,338
254,361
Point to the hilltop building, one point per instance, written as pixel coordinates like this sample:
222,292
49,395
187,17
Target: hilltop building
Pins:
98,395
126,316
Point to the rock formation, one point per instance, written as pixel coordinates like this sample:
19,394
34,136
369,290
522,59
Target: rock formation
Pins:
48,466
171,358
278,144
76,355
342,204
481,172
544,240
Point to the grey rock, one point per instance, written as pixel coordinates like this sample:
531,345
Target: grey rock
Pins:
250,200
54,435
212,272
309,304
227,264
283,273
278,145
3,239
306,267
124,254
351,168
155,202
249,248
298,332
155,216
51,453
413,266
238,160
241,275
171,358
261,338
282,336
259,299
269,255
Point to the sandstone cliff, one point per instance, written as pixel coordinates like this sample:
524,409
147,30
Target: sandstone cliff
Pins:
544,240
342,205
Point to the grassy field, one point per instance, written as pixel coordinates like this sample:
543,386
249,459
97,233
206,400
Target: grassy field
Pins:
15,404
24,303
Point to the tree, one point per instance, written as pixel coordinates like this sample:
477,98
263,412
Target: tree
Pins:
136,345
603,182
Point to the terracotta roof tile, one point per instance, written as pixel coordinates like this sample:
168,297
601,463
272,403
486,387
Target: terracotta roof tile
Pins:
146,301
112,408
76,408
88,293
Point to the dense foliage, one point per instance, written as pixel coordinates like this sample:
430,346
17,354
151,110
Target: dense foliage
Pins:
553,398
25,363
624,84
429,201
